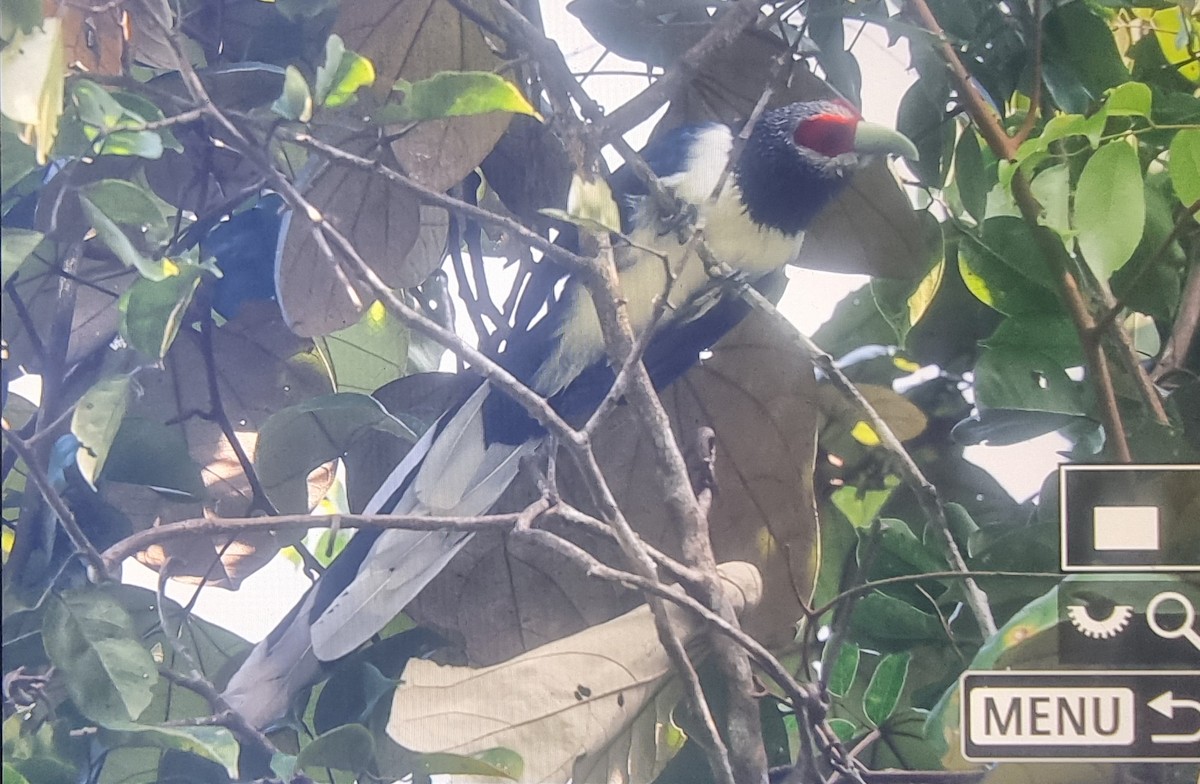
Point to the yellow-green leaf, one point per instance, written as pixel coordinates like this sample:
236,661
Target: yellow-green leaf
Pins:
1110,208
1185,166
455,94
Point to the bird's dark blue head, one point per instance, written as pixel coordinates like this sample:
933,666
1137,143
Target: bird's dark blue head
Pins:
799,156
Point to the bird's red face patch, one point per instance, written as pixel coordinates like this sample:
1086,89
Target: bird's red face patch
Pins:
830,134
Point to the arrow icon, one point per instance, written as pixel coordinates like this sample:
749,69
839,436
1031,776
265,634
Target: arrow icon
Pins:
1165,704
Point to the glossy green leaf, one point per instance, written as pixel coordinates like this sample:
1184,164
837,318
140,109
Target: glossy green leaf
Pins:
16,245
152,310
342,75
11,776
905,551
89,637
1185,166
1110,208
841,676
349,747
455,94
844,729
1004,268
96,420
886,684
1128,99
1025,380
1052,188
1080,56
295,102
970,175
1053,335
879,616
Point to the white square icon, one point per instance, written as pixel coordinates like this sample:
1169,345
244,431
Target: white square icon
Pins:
1125,528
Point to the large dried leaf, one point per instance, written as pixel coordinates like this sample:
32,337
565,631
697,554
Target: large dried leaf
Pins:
561,706
871,227
95,319
261,369
501,595
412,40
400,240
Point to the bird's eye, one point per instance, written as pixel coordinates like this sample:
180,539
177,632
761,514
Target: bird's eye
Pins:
830,135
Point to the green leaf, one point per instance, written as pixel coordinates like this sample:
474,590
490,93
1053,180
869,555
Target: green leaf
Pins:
1081,59
211,743
455,94
1052,188
1129,99
145,452
495,763
152,310
96,420
841,676
111,235
898,542
879,616
1052,335
295,102
1185,166
342,75
1025,380
1110,208
89,637
11,776
860,506
365,356
294,441
886,684
126,203
349,747
970,175
16,245
32,75
1004,268
843,728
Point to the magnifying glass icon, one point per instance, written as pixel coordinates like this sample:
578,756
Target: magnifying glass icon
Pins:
1184,629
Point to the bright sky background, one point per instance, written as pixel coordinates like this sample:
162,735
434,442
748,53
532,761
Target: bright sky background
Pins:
266,596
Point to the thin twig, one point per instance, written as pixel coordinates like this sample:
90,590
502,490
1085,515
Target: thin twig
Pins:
209,526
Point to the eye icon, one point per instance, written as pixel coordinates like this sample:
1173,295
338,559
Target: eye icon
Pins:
1103,628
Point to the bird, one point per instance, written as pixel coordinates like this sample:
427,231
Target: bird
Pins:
794,162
